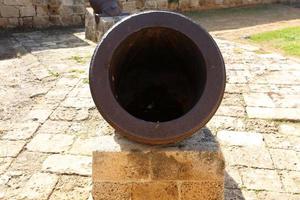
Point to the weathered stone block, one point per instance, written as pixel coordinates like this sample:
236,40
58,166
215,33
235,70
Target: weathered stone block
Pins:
10,148
127,166
13,22
68,2
191,169
66,10
77,20
39,186
54,10
3,22
26,22
41,11
162,4
27,11
67,19
94,30
130,6
155,190
40,2
186,165
184,5
9,11
78,10
56,3
112,191
50,143
140,4
68,164
17,2
274,113
41,21
194,4
150,4
201,190
173,5
55,20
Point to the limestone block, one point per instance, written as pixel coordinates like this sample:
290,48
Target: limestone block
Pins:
111,191
219,2
68,2
77,20
13,22
194,4
17,2
173,5
87,3
27,11
39,186
68,164
10,148
78,9
41,21
129,6
94,30
155,190
3,22
162,4
57,3
184,5
55,20
66,10
26,22
140,4
54,10
41,11
201,190
9,11
106,22
40,2
191,169
67,20
150,4
53,143
90,25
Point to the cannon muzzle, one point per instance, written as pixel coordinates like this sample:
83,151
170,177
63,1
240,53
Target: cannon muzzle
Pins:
157,77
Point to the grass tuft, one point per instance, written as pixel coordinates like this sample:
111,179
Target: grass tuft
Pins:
80,59
286,40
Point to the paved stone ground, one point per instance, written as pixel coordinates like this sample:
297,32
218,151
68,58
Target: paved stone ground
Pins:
49,125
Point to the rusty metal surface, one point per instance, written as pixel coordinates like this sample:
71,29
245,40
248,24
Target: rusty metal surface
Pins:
157,77
106,7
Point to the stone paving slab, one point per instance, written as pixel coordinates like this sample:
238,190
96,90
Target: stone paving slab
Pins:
49,125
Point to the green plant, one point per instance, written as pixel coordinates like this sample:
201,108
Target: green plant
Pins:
80,59
52,73
286,40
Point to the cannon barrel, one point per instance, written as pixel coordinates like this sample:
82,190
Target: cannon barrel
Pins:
157,77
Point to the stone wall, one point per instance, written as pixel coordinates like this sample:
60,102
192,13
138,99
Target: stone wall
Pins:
189,5
41,13
45,13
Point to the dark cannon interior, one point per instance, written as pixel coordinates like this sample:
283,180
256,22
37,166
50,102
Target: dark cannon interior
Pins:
157,74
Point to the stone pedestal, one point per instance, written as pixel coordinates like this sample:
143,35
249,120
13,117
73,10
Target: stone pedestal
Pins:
189,170
95,27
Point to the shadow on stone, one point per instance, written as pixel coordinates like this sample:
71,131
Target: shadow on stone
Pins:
232,190
235,18
15,44
202,141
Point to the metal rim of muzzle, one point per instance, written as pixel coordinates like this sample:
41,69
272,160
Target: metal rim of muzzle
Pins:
146,131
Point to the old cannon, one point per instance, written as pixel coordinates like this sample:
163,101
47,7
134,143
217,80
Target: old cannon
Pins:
106,7
157,77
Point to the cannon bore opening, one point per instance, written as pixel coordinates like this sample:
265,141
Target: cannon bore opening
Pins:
157,74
